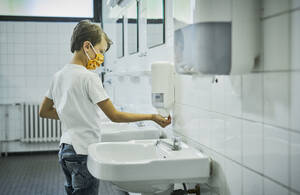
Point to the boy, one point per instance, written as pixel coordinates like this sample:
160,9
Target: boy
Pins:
77,95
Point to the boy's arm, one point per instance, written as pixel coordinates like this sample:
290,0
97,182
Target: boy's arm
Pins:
116,116
47,110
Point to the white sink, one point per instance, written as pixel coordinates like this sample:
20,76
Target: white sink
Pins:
114,132
142,167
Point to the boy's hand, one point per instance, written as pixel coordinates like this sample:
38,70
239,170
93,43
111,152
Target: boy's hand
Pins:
163,122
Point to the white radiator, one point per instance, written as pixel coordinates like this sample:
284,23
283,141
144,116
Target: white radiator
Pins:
37,129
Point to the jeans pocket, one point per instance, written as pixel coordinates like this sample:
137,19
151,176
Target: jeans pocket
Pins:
81,178
68,153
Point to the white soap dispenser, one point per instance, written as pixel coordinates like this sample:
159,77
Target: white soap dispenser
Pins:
162,87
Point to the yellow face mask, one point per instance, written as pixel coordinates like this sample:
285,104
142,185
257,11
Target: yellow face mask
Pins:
96,62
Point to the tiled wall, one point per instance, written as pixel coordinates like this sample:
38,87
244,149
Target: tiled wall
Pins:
249,124
30,53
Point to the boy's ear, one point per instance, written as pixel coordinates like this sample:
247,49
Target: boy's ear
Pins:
86,45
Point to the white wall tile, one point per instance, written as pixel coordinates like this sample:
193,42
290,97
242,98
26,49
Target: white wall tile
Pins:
218,133
272,7
233,138
52,38
3,80
218,95
233,95
41,38
3,60
233,173
276,154
18,49
31,49
30,38
3,48
198,93
19,37
253,145
252,100
178,88
295,161
30,27
205,129
203,88
19,27
295,3
11,38
52,27
295,104
9,27
271,188
19,70
292,193
276,42
252,183
41,27
295,40
10,46
3,92
3,37
2,71
193,123
19,58
3,27
276,99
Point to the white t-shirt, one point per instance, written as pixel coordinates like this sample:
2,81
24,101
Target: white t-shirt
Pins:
75,92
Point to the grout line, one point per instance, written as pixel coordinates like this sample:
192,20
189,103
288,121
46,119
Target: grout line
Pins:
236,162
289,99
295,9
289,161
275,15
275,71
263,129
280,13
241,118
242,133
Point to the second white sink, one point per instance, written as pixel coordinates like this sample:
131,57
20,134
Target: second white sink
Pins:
114,132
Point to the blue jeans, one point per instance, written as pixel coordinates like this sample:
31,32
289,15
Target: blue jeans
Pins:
78,179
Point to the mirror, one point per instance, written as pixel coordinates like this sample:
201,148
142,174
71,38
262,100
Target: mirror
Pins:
155,23
120,37
133,39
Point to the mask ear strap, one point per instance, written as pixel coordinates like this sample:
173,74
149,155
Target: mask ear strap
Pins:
87,55
93,48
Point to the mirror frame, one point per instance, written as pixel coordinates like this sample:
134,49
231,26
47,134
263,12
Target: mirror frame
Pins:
164,27
137,28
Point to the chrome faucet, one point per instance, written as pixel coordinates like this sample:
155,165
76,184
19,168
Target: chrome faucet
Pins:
175,146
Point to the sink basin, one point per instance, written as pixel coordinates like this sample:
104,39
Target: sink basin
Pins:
115,132
142,167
